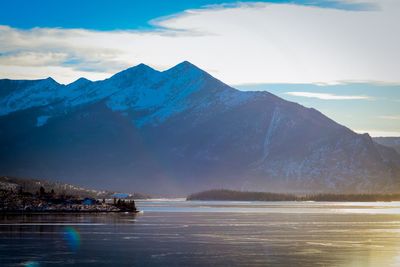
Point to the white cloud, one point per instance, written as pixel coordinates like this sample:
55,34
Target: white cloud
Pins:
379,133
249,43
60,73
389,117
326,96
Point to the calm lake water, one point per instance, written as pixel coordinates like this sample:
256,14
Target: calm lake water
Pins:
207,233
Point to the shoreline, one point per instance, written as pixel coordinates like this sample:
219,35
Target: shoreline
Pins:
62,212
296,201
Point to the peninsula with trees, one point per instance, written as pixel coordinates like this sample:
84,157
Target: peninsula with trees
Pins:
19,195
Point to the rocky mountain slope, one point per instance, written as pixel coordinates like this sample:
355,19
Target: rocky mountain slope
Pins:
180,131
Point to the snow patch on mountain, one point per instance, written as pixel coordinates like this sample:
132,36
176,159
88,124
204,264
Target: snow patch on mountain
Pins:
272,127
37,93
232,98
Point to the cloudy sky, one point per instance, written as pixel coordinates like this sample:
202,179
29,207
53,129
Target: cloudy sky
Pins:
340,56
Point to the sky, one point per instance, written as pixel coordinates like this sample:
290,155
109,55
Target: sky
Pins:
339,56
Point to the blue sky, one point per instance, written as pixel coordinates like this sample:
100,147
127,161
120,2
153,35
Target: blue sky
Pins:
120,14
340,57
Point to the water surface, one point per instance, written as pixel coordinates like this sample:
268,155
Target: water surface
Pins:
207,233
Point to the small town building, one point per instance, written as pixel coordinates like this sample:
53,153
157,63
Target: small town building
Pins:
89,201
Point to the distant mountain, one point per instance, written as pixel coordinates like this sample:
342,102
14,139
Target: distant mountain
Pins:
181,131
393,142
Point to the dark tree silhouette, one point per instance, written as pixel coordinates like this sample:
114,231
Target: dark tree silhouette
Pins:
42,192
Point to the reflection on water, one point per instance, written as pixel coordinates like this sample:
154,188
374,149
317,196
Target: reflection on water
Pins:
179,233
180,205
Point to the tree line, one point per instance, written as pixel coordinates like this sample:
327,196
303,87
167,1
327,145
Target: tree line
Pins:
224,194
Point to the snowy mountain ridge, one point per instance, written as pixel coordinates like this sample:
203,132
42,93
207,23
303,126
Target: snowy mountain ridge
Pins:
161,94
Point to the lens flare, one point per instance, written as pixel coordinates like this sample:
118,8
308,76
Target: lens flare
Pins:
72,237
31,264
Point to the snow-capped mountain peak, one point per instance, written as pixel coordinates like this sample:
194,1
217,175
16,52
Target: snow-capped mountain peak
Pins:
187,70
142,70
20,95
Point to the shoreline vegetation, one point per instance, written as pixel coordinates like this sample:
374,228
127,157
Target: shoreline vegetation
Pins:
232,195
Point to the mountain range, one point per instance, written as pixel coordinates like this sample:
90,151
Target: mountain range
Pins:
180,131
393,142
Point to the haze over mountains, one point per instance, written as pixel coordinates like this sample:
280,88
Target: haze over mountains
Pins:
181,131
